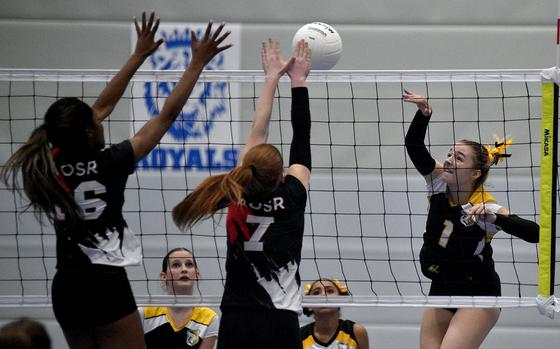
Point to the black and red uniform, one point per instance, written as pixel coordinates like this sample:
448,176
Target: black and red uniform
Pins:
92,254
262,295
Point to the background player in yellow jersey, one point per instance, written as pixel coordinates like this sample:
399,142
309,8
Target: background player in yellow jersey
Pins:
329,331
462,220
179,327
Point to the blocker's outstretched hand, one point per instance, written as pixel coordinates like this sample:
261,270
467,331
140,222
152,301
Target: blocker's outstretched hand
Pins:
299,71
273,64
145,45
207,47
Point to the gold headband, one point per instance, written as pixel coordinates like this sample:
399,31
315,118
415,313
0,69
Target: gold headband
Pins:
342,289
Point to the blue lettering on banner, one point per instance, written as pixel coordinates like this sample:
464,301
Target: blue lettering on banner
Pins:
207,105
190,159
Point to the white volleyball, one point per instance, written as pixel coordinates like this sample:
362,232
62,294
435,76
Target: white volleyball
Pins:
325,44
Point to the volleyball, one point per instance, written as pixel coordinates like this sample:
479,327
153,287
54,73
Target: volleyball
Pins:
325,44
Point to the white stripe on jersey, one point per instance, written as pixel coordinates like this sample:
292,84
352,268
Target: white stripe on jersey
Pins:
109,251
285,294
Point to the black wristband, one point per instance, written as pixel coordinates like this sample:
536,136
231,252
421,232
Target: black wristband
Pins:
517,226
300,149
415,147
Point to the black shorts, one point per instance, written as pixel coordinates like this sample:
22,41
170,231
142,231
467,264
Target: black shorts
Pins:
258,329
487,284
91,295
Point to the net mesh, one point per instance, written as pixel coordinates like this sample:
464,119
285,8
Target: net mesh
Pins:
367,204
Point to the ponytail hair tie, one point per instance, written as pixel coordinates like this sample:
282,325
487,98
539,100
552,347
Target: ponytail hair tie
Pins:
497,153
253,170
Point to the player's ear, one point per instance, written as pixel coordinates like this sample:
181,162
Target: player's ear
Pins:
163,281
476,174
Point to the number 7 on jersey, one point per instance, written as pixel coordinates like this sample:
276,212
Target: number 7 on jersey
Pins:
255,244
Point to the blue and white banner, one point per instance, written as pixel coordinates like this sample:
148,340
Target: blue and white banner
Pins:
206,133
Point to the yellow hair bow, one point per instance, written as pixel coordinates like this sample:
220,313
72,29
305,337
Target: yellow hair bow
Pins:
496,153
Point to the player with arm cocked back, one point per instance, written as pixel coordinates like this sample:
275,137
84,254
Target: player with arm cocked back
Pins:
462,220
265,217
79,185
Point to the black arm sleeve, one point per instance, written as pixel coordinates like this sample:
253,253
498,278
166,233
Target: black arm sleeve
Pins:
516,226
415,147
300,150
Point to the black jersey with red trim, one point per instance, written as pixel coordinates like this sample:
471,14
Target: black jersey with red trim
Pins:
344,337
264,241
97,182
455,244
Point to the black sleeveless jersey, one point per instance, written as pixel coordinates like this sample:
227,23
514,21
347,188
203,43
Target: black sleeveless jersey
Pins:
97,183
264,241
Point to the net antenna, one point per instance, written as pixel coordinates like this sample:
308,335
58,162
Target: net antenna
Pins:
367,204
548,304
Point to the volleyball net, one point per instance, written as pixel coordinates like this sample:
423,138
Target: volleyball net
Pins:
367,204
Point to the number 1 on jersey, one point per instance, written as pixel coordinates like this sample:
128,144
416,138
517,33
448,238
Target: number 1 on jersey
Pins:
255,244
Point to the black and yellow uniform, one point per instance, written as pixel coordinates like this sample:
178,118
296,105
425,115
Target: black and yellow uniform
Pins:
343,338
92,255
161,332
456,254
262,293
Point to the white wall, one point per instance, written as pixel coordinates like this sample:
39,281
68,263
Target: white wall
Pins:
376,34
